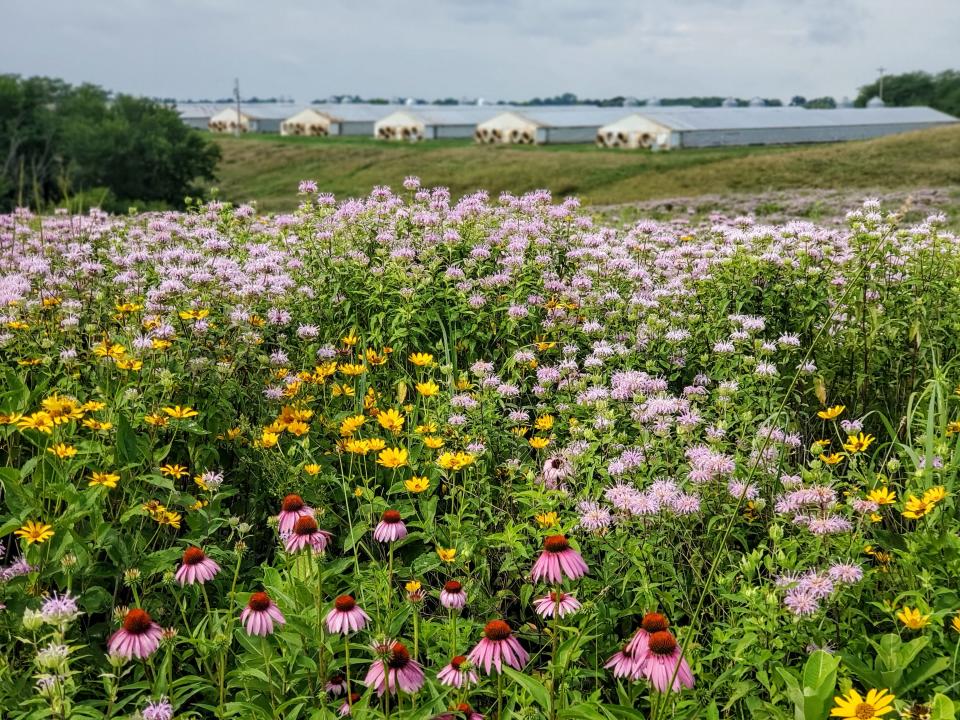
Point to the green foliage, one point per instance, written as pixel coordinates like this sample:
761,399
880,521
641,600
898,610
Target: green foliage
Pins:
940,91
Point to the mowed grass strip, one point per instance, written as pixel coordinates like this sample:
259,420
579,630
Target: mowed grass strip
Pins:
267,168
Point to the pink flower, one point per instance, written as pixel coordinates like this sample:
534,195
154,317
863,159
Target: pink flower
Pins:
624,665
260,614
397,671
139,637
307,534
456,675
390,528
344,710
196,567
498,646
292,509
461,712
346,617
336,685
558,560
665,661
562,603
452,596
640,643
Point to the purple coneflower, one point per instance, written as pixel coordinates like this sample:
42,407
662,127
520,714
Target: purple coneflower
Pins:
557,560
260,614
390,528
452,596
563,603
344,710
336,685
456,675
292,509
196,567
346,617
664,661
623,664
397,671
307,534
139,637
461,712
498,646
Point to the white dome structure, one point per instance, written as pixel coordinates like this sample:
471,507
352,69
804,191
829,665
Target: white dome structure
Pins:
757,102
875,102
729,103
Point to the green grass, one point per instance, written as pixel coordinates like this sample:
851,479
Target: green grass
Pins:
268,168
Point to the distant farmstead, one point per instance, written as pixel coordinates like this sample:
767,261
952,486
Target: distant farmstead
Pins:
432,122
543,125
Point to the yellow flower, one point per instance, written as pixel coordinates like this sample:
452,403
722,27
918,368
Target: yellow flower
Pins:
268,439
155,419
548,519
352,369
174,471
428,388
357,447
159,344
131,364
426,429
194,314
544,422
448,555
858,443
882,496
412,586
953,427
877,704
391,420
298,428
463,383
10,418
62,409
351,424
62,450
421,359
875,517
35,532
916,508
831,412
358,491
97,424
935,494
417,484
350,340
955,622
538,443
114,351
93,406
180,413
392,458
311,469
169,518
375,444
912,618
40,421
433,442
107,480
373,358
832,458
455,461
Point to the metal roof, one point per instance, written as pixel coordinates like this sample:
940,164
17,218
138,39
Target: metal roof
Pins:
452,114
783,117
199,110
572,116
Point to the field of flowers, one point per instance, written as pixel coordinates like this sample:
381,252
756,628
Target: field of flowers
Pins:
410,457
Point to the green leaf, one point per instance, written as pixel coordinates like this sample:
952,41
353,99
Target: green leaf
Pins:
533,687
942,708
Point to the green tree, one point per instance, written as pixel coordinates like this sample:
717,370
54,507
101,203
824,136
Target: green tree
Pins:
940,91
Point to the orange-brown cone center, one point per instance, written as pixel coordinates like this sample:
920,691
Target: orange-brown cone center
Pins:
305,525
193,556
556,543
497,630
345,603
662,642
259,602
293,503
137,622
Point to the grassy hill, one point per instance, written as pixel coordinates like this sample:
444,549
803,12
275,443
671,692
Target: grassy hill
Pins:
268,168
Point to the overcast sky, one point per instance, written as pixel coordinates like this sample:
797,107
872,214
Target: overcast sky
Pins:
495,49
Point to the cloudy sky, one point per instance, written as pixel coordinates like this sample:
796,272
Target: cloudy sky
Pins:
496,49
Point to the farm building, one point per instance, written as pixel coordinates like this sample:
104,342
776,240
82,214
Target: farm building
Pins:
354,119
310,122
541,125
664,128
261,118
432,122
197,115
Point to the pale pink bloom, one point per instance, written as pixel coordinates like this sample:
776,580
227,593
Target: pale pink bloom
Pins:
344,710
498,646
665,661
139,637
562,603
346,617
260,614
292,509
456,675
196,567
452,596
398,671
558,560
307,534
390,528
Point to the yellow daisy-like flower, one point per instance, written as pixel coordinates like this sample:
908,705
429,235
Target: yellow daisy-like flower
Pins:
356,447
174,471
35,532
912,618
448,555
953,427
97,424
858,443
131,364
428,388
93,406
113,351
464,383
955,623
426,429
421,359
350,340
169,518
352,369
178,412
374,358
298,428
455,461
831,412
62,450
538,443
433,442
194,314
351,424
392,458
156,420
391,420
852,705
358,491
832,458
544,422
107,480
375,444
159,344
547,519
268,439
413,586
417,484
916,508
39,421
882,496
935,494
311,469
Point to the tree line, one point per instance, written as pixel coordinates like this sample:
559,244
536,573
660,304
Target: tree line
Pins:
81,146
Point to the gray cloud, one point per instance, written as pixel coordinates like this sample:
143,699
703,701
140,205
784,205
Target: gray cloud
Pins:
490,48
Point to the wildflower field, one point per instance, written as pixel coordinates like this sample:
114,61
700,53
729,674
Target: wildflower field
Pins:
411,457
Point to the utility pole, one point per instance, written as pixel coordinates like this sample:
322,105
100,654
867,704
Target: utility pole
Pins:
236,97
880,92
